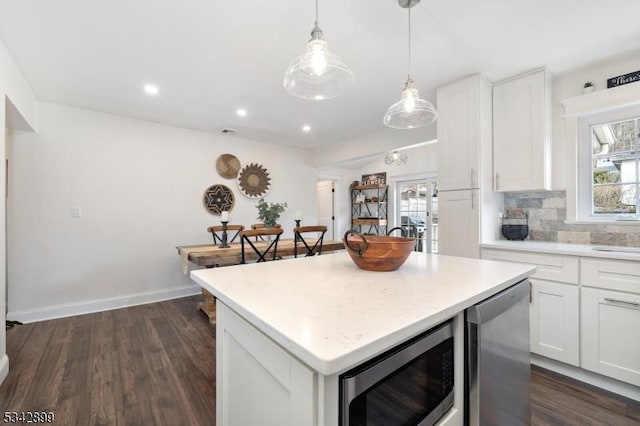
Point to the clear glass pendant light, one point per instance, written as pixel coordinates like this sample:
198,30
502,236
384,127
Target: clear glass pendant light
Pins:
318,74
410,111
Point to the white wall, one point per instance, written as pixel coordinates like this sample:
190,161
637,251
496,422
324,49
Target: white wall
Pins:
371,145
139,186
17,107
342,177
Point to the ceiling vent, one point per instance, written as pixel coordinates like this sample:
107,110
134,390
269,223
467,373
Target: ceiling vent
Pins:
227,131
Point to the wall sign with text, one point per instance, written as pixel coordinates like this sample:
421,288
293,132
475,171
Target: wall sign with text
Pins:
620,80
374,178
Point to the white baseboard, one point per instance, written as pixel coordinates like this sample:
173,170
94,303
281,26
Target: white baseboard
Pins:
92,306
603,382
4,367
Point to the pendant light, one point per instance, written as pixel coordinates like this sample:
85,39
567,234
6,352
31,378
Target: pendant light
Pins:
410,111
395,158
318,74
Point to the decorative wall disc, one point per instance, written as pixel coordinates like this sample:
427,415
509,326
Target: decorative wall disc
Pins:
228,166
218,198
254,181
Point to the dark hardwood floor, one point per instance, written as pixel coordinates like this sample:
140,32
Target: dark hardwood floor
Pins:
146,365
154,365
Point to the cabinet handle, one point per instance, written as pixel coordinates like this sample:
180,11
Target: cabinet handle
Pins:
473,178
622,302
473,199
497,180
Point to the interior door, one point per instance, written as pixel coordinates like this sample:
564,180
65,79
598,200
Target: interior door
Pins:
416,207
326,200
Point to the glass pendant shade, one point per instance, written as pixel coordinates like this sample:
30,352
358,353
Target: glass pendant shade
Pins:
410,111
395,158
318,74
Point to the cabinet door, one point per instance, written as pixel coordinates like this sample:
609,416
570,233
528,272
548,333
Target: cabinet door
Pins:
253,371
610,344
554,317
459,133
459,223
521,133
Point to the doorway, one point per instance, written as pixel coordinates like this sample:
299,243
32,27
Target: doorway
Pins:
326,207
417,212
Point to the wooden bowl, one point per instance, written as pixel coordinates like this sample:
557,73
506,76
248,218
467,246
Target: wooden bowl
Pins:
376,252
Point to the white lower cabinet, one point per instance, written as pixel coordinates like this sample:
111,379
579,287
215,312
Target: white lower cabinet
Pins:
459,223
584,311
610,318
554,320
610,344
554,312
257,373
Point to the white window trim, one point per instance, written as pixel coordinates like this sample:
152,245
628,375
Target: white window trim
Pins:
579,111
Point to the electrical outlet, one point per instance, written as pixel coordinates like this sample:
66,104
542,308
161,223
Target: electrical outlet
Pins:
76,212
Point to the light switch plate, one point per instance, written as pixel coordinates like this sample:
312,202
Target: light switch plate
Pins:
76,212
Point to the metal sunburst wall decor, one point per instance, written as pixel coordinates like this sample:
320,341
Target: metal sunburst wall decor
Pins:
218,198
254,181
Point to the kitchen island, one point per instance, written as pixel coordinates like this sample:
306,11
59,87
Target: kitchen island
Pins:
286,330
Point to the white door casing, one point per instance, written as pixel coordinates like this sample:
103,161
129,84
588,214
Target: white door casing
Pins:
326,207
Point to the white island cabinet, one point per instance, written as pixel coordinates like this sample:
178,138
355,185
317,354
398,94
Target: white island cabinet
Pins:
286,330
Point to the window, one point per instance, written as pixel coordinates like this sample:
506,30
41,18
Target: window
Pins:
615,168
609,165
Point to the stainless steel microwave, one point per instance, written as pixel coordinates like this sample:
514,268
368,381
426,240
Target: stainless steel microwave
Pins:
409,385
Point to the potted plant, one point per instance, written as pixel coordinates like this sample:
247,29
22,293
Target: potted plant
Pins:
269,213
588,87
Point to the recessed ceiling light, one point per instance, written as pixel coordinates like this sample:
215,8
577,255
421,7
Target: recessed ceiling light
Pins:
306,128
151,89
241,112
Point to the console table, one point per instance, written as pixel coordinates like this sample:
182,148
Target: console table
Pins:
209,256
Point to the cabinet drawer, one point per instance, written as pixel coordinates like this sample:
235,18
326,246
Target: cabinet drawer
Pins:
609,274
549,267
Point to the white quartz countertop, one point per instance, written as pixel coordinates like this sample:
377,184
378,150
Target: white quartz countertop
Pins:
608,252
332,315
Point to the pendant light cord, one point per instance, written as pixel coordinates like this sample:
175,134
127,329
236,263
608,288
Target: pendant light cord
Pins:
316,13
409,67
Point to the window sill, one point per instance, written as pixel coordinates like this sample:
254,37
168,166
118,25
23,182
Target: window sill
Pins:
626,222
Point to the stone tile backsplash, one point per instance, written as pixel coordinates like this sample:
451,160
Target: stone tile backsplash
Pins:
547,213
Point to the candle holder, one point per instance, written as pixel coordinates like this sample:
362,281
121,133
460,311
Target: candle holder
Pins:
224,235
295,236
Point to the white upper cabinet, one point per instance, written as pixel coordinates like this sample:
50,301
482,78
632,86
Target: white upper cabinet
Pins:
464,121
522,133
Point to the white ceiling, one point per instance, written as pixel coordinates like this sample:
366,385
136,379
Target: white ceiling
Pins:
211,57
